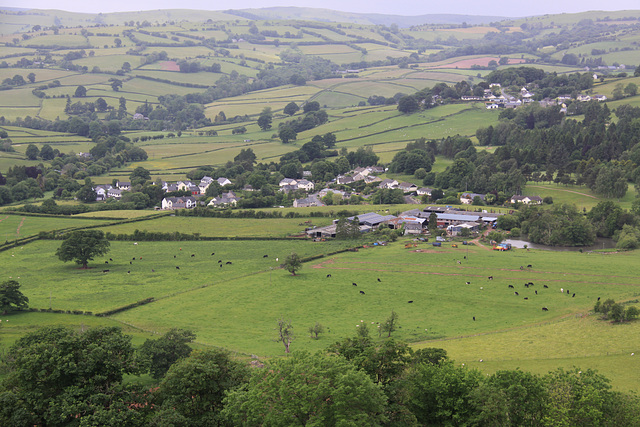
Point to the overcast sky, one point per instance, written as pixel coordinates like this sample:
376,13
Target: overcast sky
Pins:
407,7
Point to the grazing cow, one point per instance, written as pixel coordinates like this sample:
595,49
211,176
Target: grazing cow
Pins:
129,272
140,257
152,270
545,286
529,266
362,292
213,253
516,293
105,271
530,283
526,298
474,318
598,298
328,275
174,256
265,256
458,262
467,283
490,278
526,285
134,258
573,296
177,268
409,302
219,261
561,290
220,265
110,259
354,284
536,292
130,262
510,286
379,280
567,291
545,309
228,263
192,255
106,262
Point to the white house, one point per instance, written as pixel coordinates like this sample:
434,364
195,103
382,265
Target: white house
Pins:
388,183
288,181
178,202
123,185
223,181
527,200
305,185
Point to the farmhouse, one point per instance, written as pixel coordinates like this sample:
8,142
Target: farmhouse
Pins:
424,191
527,200
467,198
123,185
187,202
115,193
307,202
407,187
388,183
223,181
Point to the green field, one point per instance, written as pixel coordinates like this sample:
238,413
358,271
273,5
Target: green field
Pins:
235,306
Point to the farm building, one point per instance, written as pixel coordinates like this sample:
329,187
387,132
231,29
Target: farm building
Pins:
455,229
372,219
527,200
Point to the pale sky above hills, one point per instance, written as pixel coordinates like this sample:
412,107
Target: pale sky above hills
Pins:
405,7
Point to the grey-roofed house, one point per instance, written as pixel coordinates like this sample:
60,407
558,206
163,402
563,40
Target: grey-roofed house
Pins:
187,202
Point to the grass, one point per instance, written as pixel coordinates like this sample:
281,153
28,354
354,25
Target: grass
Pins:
223,227
13,226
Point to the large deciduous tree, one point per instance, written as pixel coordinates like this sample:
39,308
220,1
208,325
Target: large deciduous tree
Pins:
83,246
307,390
11,299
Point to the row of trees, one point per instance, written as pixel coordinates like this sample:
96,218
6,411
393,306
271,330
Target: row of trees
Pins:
57,376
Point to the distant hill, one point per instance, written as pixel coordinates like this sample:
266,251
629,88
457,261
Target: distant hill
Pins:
327,15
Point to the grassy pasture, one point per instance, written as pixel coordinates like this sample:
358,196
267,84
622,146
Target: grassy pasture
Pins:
108,62
223,227
51,40
576,340
580,196
238,312
14,226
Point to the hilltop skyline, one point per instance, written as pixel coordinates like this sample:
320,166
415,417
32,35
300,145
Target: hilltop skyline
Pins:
407,8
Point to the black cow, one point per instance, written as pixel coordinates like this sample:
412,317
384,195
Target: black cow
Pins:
474,318
511,286
152,270
536,292
526,285
265,256
516,293
362,292
545,286
545,309
213,253
598,298
490,278
129,272
354,284
573,296
177,268
106,262
130,262
526,298
105,271
174,256
328,275
529,266
192,255
110,259
409,302
379,280
228,263
219,261
467,283
134,258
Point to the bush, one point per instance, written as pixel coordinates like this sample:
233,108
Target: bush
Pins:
548,200
515,232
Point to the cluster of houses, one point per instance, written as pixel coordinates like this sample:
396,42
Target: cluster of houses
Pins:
493,101
415,222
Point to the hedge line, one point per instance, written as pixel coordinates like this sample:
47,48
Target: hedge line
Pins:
126,307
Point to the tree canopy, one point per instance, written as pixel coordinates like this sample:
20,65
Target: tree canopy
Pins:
11,298
83,246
